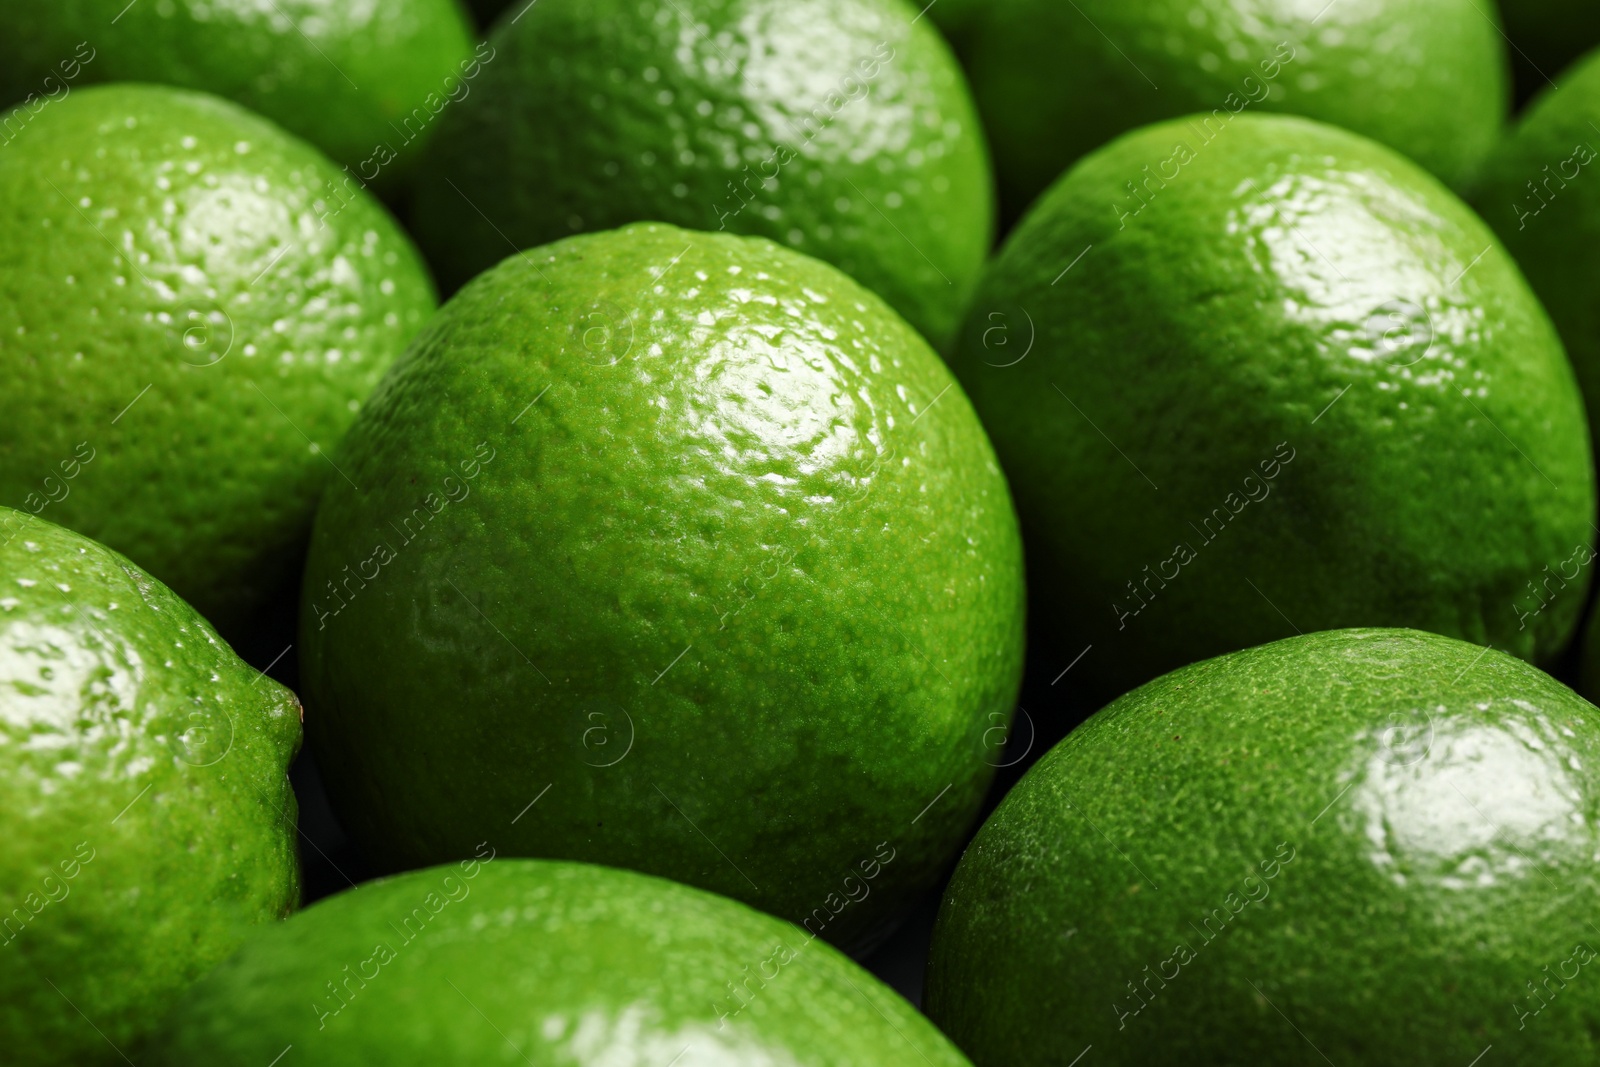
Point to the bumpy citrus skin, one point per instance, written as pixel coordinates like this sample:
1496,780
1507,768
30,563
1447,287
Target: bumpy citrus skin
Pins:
1540,193
144,799
1054,81
188,323
1371,844
1301,387
549,964
692,540
842,128
353,79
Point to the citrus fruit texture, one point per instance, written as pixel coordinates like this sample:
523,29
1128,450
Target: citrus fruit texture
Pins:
363,82
1372,845
494,960
672,551
1541,193
1273,381
190,320
147,812
1545,36
1055,81
842,129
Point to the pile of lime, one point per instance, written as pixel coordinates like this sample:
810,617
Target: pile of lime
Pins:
973,533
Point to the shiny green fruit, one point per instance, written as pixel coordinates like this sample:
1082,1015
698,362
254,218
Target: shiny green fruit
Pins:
497,960
191,315
1055,81
1541,193
1288,383
144,799
841,128
1360,847
671,551
364,82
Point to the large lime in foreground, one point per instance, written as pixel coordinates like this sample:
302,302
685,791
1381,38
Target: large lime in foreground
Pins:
673,551
1361,847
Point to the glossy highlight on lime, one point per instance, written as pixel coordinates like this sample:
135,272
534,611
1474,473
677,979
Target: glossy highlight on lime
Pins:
1055,81
189,328
1271,381
563,963
1375,845
647,502
144,798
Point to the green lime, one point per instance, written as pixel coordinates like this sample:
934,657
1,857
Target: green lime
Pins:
1054,81
497,960
1355,847
147,813
1274,381
192,313
364,82
1545,36
1541,194
840,128
672,551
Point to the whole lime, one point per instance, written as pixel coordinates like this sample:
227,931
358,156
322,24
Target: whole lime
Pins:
1545,36
842,128
144,799
1055,81
671,551
364,82
191,316
1288,383
1353,847
1541,193
497,960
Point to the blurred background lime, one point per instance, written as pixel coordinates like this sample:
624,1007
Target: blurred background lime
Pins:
1054,81
841,128
1541,193
543,963
1545,36
364,82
